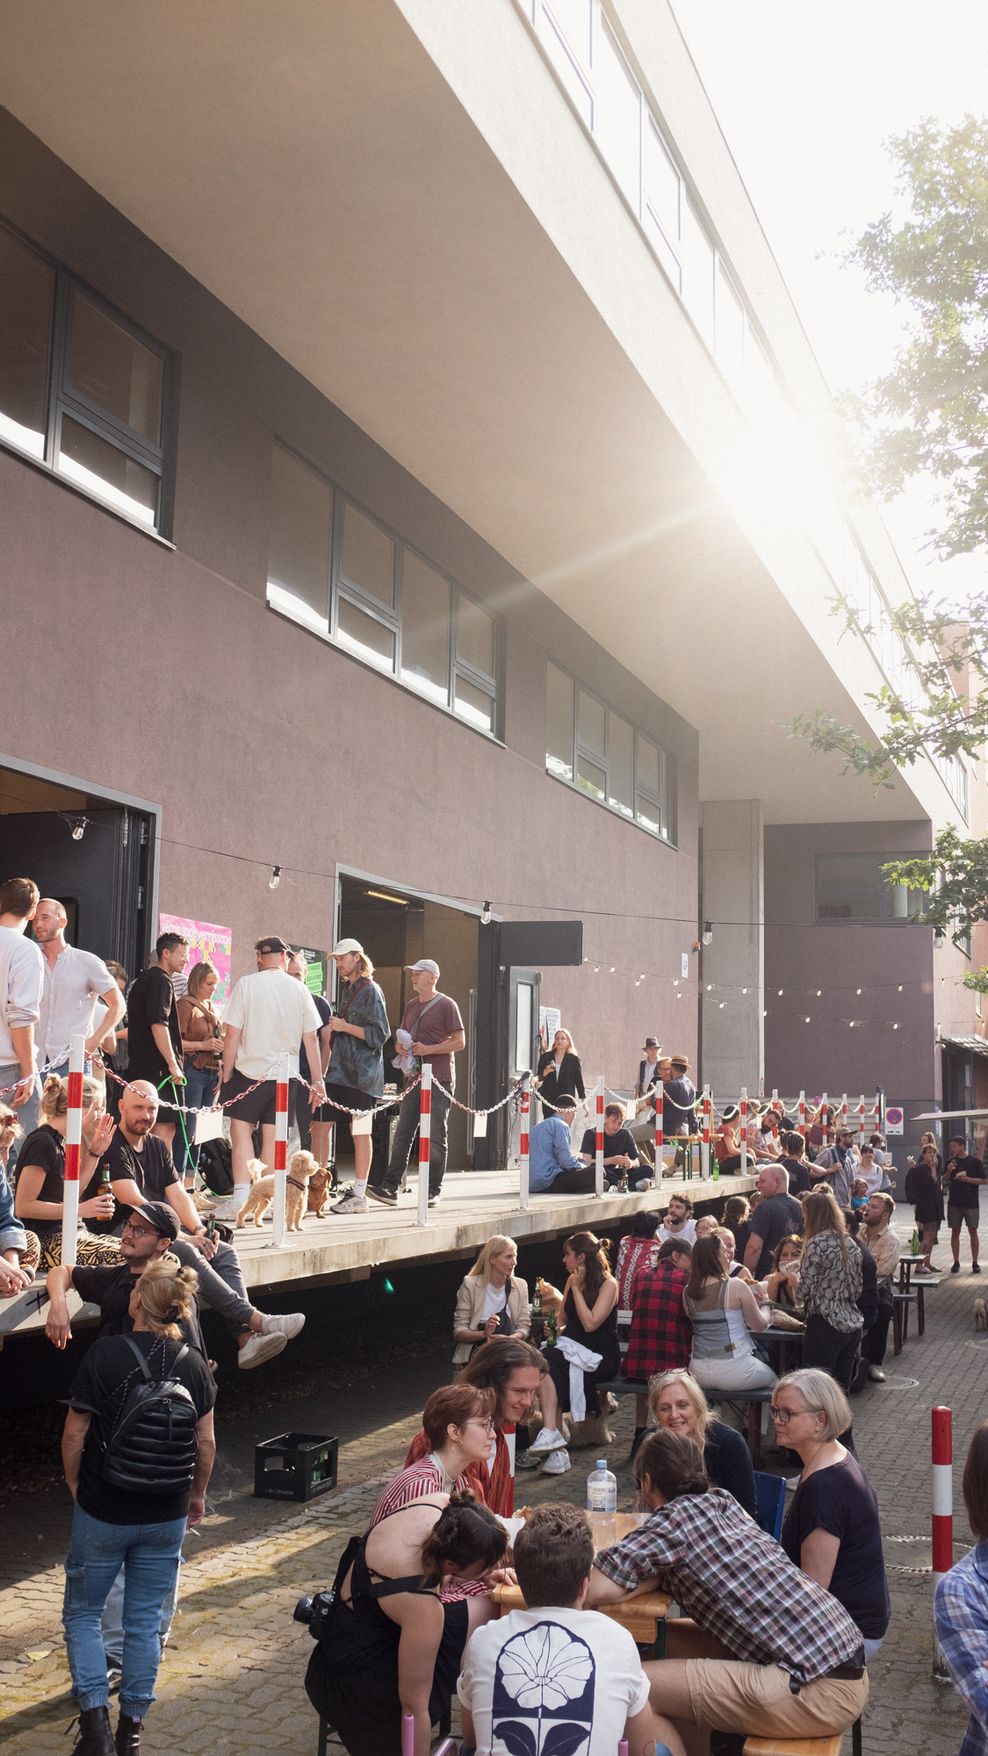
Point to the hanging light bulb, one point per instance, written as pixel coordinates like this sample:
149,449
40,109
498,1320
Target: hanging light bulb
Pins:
275,878
744,990
485,915
806,1020
707,936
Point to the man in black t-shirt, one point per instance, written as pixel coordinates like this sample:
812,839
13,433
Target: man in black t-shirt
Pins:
620,1151
963,1176
148,1233
776,1216
154,1036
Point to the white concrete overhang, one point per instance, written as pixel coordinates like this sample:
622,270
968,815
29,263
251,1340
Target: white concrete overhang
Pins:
416,220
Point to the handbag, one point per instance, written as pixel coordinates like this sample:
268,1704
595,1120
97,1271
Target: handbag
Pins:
505,1321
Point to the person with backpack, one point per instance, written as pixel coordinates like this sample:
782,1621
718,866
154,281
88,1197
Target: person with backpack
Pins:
137,1452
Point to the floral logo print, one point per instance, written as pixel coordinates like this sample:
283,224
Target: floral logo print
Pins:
543,1697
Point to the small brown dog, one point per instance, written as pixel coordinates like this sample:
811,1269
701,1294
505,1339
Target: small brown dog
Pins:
320,1189
301,1168
980,1317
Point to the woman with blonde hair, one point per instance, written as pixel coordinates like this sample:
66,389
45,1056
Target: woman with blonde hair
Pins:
676,1402
492,1300
559,1070
830,1279
39,1188
131,1512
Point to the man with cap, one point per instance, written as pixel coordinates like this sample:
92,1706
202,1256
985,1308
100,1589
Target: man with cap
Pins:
434,1024
266,1017
679,1098
355,1075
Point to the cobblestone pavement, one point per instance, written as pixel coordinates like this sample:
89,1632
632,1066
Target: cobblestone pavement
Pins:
232,1677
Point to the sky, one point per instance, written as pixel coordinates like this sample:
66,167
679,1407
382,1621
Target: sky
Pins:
807,95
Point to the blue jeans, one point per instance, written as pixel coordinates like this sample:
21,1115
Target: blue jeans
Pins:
200,1089
151,1553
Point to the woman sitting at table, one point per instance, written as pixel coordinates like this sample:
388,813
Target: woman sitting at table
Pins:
390,1646
782,1283
39,1190
639,1249
677,1403
724,1314
492,1300
735,1270
832,1529
587,1350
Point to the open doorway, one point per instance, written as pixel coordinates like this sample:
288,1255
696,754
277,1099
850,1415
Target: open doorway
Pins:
95,854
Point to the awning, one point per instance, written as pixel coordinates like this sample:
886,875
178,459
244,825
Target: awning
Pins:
967,1045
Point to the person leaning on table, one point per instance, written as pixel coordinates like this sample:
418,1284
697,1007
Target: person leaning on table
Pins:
794,1659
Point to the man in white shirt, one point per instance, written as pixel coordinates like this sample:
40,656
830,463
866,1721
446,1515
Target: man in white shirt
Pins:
678,1221
75,982
21,977
266,1017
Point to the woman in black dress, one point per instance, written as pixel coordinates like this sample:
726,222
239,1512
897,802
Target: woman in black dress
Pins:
559,1070
588,1319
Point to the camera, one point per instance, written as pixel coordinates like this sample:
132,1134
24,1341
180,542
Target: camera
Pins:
315,1612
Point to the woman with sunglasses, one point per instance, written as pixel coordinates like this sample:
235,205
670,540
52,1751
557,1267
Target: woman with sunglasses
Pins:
833,1527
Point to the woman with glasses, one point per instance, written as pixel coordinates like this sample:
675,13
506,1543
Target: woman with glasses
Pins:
458,1422
833,1526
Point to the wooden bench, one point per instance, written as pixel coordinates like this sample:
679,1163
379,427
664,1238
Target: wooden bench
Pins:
752,1400
784,1745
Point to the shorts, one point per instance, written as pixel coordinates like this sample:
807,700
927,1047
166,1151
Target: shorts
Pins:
730,1695
350,1099
963,1216
260,1105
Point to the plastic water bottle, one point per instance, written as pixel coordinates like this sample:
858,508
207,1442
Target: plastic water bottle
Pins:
602,1500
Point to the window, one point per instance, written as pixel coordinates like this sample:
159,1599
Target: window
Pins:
81,389
595,750
852,887
375,596
617,115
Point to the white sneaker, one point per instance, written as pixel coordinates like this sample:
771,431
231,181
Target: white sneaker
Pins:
643,1184
350,1203
547,1439
228,1209
289,1326
259,1348
557,1463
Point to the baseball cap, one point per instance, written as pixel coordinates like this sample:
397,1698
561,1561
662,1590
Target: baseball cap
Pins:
267,947
160,1216
342,946
427,964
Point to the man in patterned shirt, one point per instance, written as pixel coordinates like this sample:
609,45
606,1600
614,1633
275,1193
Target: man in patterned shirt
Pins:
772,1652
961,1603
661,1335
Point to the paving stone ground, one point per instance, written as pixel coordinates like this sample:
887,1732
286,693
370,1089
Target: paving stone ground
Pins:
232,1678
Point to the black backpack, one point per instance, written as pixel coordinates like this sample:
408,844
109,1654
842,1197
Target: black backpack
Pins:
152,1445
215,1165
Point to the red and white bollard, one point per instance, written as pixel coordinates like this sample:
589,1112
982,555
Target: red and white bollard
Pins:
743,1123
861,1117
878,1112
801,1124
425,1140
943,1513
73,1153
659,1137
599,1141
843,1111
524,1105
281,1090
705,1107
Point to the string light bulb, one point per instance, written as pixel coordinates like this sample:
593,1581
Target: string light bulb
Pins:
485,914
707,936
275,878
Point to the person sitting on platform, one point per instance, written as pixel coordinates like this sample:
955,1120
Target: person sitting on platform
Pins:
620,1151
553,1167
20,1250
39,1188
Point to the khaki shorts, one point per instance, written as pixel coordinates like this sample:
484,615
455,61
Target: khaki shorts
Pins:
963,1216
730,1695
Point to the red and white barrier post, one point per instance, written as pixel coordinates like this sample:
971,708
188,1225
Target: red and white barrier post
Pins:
878,1111
659,1136
425,1140
705,1107
861,1117
599,1141
843,1111
943,1512
743,1123
825,1105
281,1090
73,1153
524,1105
801,1124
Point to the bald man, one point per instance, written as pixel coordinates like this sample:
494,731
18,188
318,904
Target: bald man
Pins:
75,983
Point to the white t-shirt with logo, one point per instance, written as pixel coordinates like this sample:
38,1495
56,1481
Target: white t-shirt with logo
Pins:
537,1669
273,1012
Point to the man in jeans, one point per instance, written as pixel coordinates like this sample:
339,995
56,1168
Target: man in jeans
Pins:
435,1027
21,980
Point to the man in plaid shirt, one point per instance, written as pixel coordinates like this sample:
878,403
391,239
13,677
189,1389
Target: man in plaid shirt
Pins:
961,1603
788,1658
661,1335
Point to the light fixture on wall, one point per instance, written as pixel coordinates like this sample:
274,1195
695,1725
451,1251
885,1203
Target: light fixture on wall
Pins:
275,878
77,822
939,937
485,914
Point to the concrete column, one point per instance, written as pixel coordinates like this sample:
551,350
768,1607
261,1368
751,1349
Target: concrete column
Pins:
732,898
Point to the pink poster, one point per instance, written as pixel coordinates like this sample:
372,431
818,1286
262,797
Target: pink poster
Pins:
207,944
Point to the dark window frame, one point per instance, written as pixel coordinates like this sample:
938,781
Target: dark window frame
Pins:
666,803
62,398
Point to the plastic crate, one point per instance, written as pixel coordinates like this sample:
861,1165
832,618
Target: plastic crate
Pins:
295,1466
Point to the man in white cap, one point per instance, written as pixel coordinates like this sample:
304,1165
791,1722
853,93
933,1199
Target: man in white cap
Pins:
434,1024
355,1075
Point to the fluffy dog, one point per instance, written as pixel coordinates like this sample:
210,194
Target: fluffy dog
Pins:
301,1167
320,1189
980,1320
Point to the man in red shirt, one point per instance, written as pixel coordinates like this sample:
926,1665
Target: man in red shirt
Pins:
661,1333
433,1022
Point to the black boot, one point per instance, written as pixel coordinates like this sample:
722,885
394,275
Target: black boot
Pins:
95,1736
129,1736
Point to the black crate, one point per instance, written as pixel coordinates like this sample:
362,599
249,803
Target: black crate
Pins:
295,1466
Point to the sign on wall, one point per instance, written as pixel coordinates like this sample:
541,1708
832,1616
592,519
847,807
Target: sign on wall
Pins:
208,943
550,1018
316,963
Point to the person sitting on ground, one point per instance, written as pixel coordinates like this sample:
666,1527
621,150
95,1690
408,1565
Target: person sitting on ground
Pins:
724,1313
789,1660
391,1646
39,1186
778,1213
602,1688
883,1244
586,1352
782,1282
638,1250
20,1250
794,1161
960,1605
620,1151
677,1404
492,1300
923,1190
727,1148
516,1372
832,1529
553,1167
661,1336
678,1221
141,1169
139,1527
